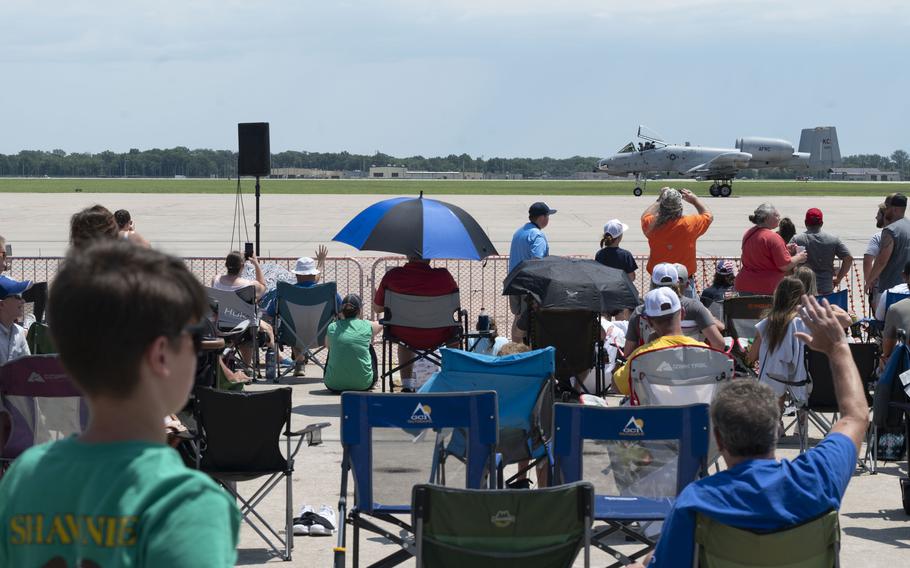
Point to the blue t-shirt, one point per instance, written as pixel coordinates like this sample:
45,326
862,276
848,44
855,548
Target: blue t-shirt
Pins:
270,299
527,242
763,495
615,257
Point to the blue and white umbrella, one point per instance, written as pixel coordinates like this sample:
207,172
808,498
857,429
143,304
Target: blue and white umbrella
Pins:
417,227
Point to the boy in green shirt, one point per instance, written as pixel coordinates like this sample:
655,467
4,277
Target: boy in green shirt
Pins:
125,321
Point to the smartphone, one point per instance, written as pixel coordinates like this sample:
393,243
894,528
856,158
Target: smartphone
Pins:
247,250
9,249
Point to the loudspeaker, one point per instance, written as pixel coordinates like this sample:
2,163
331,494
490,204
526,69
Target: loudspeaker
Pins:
254,159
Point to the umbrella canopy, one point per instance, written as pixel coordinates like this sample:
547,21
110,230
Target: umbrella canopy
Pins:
417,227
569,283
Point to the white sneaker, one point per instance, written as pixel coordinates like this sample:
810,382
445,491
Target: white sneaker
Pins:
303,522
323,522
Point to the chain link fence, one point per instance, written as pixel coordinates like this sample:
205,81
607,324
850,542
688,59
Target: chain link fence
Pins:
480,282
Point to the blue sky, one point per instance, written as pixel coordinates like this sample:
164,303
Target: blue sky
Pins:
435,77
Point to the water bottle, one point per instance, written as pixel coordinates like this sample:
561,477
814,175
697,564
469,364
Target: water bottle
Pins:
271,368
483,321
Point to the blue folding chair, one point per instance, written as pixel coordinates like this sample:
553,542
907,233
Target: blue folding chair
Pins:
524,385
840,298
302,319
392,442
638,458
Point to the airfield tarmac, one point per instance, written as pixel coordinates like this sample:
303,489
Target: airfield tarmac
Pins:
293,225
875,530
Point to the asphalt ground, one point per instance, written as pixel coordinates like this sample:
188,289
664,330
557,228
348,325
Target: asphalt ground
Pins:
293,225
875,530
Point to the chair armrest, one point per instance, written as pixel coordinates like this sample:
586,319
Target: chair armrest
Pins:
312,433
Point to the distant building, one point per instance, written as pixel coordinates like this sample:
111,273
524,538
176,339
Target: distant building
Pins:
386,172
863,174
305,173
400,172
597,176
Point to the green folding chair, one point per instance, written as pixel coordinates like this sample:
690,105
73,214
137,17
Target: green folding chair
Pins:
481,528
813,544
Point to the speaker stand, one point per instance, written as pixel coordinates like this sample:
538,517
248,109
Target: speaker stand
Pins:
258,252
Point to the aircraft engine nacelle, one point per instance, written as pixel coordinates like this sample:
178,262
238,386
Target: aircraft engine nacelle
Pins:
766,149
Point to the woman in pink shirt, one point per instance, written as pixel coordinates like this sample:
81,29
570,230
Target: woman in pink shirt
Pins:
765,258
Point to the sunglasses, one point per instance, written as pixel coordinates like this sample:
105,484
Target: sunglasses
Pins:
197,332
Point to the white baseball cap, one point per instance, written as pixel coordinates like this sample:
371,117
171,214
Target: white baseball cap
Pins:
615,228
682,271
661,302
665,274
306,266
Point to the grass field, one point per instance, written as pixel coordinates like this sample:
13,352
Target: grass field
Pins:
436,187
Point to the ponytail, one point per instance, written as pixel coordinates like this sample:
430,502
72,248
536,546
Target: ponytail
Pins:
606,240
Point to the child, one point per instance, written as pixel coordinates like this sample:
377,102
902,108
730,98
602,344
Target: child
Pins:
610,254
124,319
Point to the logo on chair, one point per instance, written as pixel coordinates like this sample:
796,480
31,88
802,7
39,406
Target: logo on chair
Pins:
502,519
421,414
634,427
35,378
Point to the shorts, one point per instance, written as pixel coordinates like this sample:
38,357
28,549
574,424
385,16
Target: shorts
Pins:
519,307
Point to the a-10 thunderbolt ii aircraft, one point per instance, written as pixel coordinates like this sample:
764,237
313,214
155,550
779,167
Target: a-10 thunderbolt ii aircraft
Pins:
818,149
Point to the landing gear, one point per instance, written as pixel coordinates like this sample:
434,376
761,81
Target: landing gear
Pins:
641,182
721,188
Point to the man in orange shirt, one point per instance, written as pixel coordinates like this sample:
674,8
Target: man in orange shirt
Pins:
672,235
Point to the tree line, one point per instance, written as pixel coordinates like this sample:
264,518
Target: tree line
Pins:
205,163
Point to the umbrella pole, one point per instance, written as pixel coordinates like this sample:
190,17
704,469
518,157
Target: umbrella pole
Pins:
258,251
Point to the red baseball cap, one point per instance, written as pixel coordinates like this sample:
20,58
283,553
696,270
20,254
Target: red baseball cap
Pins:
814,216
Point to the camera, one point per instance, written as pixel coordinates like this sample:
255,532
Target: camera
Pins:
247,250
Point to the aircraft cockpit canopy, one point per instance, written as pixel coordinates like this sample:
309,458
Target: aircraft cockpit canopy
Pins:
628,148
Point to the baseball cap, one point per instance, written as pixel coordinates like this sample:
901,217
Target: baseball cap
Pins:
10,287
354,300
726,267
682,271
540,208
896,200
661,302
665,274
615,228
306,266
814,216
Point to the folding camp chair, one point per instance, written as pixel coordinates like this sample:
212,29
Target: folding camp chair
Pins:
420,312
874,327
638,458
840,299
302,319
741,314
239,439
681,374
887,415
822,399
238,319
40,403
524,386
393,442
576,336
815,543
543,528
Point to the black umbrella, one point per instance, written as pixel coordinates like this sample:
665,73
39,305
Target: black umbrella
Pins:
568,283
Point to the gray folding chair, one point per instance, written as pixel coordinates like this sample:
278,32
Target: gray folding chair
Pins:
419,312
302,319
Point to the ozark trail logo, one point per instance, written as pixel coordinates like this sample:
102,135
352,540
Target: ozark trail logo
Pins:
634,427
502,519
35,378
421,414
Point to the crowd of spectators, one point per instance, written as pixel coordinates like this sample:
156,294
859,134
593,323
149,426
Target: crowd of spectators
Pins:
152,372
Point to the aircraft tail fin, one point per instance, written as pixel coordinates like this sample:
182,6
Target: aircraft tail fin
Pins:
821,143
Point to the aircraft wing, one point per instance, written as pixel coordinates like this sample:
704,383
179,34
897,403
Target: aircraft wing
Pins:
728,162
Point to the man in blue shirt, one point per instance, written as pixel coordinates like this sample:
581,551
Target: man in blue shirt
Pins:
757,492
529,241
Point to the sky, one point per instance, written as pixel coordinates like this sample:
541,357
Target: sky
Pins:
491,78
